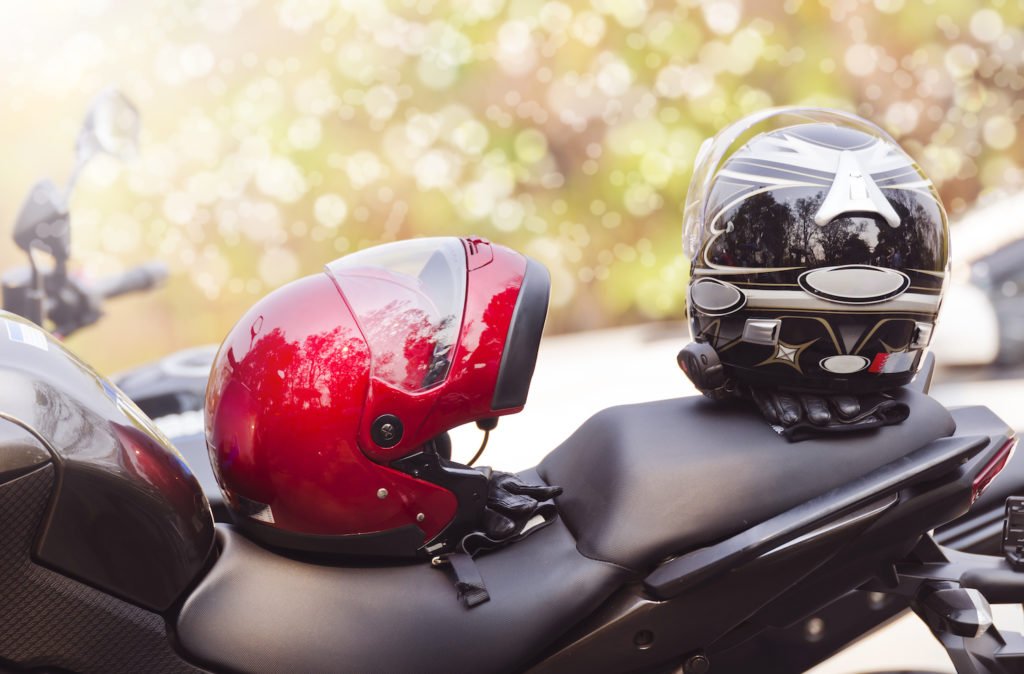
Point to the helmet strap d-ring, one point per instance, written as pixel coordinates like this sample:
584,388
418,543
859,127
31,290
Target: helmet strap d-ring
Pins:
700,363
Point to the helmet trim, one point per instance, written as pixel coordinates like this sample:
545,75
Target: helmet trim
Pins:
403,541
730,298
845,284
519,358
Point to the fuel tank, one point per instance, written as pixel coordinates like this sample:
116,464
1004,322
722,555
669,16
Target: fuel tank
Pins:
126,515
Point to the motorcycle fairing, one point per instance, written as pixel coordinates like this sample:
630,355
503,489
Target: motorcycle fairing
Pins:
127,515
52,622
645,482
21,451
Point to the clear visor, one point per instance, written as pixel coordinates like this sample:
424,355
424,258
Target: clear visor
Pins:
408,299
716,150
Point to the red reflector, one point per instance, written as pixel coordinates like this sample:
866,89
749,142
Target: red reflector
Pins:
878,363
993,468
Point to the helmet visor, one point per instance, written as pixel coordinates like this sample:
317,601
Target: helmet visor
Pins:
777,230
408,299
716,150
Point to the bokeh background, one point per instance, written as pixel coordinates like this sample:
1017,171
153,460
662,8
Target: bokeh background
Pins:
280,135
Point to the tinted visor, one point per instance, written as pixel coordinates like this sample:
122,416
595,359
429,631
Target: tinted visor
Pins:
408,299
776,228
718,150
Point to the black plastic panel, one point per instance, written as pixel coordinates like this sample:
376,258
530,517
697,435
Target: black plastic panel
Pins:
193,450
128,516
787,650
773,590
781,650
873,493
49,621
259,612
20,451
648,481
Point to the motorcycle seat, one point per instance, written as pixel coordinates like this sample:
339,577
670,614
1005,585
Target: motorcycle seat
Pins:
257,611
654,480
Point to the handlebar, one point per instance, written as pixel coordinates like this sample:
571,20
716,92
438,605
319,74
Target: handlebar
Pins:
137,279
67,302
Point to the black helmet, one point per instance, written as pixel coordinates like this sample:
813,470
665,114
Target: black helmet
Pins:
819,253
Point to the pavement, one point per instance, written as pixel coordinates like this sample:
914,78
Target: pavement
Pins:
905,645
578,375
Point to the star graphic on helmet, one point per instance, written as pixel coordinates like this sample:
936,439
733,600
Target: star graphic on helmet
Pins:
787,354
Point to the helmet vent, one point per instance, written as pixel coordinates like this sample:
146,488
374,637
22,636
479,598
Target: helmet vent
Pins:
716,298
854,284
853,190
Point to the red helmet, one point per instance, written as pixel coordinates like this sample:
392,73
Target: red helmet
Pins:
329,400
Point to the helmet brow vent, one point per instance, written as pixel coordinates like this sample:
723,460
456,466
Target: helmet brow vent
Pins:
853,190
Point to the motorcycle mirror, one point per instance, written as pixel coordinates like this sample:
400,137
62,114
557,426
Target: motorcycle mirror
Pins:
111,126
42,223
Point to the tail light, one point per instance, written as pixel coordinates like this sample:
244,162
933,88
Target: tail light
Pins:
993,468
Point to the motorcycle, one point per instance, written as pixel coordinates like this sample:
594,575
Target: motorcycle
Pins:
170,390
111,559
52,295
686,532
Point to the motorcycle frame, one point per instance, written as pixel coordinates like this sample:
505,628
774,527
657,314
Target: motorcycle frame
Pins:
704,609
806,643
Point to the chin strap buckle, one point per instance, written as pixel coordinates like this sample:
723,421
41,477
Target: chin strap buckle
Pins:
700,363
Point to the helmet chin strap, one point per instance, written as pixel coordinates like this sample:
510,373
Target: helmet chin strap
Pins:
700,363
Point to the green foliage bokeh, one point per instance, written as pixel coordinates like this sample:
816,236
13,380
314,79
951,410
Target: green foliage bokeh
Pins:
278,136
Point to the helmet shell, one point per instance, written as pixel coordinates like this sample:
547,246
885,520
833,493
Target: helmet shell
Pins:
819,253
327,381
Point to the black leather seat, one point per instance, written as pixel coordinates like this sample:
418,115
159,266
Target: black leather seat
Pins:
645,482
260,612
642,482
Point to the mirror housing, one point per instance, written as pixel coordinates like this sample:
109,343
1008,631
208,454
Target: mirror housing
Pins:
42,223
111,126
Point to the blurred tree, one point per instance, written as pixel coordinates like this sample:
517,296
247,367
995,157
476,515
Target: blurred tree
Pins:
279,135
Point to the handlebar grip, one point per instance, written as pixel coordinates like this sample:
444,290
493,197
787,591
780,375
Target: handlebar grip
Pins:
136,279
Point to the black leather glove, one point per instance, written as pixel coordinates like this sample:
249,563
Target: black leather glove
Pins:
797,416
511,503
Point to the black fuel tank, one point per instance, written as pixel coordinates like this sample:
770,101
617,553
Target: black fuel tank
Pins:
127,516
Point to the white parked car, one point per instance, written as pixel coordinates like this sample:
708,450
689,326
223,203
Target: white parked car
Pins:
982,320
